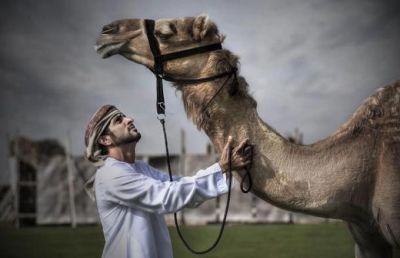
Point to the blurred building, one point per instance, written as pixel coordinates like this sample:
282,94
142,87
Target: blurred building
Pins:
47,187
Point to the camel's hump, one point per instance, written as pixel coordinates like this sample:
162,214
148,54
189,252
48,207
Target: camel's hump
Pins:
380,111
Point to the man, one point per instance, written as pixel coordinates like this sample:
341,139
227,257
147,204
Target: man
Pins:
131,196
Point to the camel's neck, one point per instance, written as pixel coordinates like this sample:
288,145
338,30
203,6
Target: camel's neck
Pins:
294,177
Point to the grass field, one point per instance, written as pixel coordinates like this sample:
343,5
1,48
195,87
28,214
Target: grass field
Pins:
249,241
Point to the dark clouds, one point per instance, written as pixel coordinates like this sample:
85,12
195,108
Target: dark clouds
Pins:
309,64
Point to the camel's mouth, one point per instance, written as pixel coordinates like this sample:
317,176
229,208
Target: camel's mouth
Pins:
107,50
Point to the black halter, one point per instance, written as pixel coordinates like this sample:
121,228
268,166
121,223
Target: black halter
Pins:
159,59
158,71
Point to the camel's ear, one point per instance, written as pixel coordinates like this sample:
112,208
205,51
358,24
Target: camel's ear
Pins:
202,26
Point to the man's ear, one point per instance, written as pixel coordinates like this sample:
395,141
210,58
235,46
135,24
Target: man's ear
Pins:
105,140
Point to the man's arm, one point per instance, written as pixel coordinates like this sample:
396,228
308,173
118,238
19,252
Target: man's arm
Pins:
157,174
238,160
136,190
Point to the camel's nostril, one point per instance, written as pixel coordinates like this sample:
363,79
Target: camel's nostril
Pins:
109,29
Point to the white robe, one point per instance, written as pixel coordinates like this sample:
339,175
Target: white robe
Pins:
131,199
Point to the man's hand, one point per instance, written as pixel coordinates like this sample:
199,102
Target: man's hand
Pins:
239,159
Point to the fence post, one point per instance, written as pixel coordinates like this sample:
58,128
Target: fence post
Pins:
15,149
13,170
71,169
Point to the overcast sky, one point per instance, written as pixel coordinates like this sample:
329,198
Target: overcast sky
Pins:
309,64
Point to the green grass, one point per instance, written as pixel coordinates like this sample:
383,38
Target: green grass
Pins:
249,241
271,241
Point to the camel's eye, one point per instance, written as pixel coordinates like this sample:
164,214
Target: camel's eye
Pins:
109,29
163,35
165,31
173,28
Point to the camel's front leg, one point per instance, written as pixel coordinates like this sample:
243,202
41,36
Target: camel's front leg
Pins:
369,242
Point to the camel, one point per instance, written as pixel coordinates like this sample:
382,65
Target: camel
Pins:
352,175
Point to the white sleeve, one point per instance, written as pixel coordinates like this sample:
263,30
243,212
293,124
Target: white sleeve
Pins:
136,190
158,174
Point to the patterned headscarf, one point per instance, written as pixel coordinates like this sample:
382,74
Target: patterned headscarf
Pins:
95,128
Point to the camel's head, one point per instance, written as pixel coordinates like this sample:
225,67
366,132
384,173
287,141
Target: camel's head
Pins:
129,39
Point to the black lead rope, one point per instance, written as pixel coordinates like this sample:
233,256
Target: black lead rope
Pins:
158,66
229,172
158,71
248,148
221,230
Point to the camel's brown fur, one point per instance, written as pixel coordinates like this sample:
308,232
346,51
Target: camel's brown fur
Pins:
353,175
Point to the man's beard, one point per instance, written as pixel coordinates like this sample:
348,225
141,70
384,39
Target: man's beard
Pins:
126,139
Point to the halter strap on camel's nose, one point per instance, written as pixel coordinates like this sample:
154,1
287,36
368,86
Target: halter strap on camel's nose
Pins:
159,59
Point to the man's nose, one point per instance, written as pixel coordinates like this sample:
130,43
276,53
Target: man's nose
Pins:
129,120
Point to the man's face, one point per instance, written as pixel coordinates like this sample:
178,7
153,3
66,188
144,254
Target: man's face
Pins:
123,131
